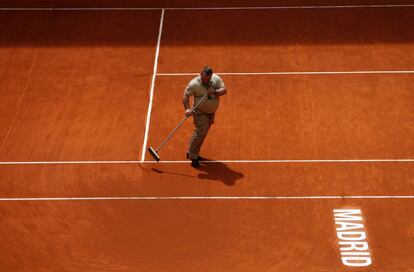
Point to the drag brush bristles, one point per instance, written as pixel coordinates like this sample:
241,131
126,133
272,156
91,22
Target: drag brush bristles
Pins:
154,154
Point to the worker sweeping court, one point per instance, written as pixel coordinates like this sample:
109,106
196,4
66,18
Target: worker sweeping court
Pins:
206,89
211,85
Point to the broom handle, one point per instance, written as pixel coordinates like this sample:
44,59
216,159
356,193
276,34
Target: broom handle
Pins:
182,121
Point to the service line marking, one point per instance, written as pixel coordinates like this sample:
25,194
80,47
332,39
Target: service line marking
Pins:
199,198
379,72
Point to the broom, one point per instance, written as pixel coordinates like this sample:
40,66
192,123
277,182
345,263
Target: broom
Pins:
154,152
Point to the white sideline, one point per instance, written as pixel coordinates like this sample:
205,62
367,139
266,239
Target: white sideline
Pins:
202,8
200,198
298,73
154,74
211,161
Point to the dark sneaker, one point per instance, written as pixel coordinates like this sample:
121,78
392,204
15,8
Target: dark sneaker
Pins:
195,163
199,157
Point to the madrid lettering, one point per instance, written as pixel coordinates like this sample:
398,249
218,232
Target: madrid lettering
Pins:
351,234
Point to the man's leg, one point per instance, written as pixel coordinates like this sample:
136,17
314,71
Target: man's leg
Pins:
202,125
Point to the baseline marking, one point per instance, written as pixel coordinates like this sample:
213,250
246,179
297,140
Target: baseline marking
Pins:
298,73
144,145
201,198
298,7
212,161
204,8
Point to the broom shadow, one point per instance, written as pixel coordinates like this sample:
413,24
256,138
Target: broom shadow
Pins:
171,173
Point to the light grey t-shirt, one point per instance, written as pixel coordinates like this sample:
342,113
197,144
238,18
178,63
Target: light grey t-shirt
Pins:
195,87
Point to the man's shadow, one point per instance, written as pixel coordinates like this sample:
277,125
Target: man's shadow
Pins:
211,170
219,171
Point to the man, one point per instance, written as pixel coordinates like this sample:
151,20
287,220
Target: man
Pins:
212,85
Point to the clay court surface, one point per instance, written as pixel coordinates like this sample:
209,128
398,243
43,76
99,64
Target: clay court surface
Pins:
319,116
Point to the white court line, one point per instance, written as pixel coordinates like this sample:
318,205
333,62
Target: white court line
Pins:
154,74
203,8
212,161
298,73
298,7
79,9
200,198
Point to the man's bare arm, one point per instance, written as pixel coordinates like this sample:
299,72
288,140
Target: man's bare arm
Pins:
221,91
217,92
186,103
